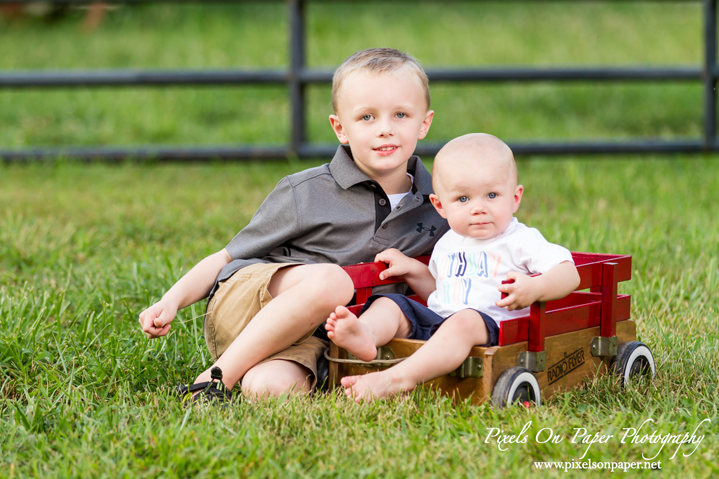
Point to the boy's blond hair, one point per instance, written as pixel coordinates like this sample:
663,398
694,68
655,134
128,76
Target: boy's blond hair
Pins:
377,60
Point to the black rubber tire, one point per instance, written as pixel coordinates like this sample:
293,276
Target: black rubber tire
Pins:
633,359
323,373
518,385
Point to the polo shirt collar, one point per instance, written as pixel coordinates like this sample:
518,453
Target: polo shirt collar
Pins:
344,170
346,173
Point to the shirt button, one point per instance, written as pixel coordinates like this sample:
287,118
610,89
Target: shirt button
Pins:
382,202
384,227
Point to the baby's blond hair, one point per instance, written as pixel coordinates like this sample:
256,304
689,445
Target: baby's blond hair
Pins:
375,61
477,145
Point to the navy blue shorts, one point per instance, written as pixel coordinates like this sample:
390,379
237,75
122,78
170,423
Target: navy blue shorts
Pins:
425,322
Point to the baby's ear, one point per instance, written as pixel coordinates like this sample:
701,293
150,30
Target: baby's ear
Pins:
437,203
517,197
338,129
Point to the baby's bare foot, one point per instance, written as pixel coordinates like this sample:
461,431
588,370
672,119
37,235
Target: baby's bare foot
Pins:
373,386
348,332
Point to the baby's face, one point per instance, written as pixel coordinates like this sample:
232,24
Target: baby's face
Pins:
478,197
381,117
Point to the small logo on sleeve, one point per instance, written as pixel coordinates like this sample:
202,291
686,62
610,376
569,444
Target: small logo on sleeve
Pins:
421,228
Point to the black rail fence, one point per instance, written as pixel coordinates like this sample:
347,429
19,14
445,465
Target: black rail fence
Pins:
298,76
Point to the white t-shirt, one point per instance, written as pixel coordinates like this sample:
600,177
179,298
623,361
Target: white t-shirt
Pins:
396,198
468,271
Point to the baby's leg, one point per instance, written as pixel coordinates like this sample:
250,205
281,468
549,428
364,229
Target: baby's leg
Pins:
383,321
441,355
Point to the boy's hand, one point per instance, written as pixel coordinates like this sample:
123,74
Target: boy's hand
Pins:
399,264
522,293
157,319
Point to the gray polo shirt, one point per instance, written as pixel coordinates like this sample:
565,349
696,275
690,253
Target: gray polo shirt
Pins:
334,213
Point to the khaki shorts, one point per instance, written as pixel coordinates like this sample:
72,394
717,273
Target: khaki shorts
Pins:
238,300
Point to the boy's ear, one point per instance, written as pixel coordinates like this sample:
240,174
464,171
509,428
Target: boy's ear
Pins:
517,198
338,129
437,205
426,124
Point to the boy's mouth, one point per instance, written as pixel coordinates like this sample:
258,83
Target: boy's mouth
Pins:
385,149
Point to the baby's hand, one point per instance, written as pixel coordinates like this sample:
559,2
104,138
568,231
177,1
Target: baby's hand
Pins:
156,320
399,264
524,291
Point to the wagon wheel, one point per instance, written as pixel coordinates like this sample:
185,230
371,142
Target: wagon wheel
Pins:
516,385
633,359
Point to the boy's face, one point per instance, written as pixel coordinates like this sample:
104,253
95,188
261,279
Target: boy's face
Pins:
381,117
477,196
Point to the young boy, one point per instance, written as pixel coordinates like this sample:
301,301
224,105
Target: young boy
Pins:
280,277
475,184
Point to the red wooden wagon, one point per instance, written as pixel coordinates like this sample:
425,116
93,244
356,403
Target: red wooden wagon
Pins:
558,345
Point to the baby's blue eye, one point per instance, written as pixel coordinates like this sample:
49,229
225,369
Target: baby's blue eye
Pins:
492,196
401,115
463,199
367,117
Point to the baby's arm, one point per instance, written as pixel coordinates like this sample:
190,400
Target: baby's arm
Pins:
415,273
556,283
194,286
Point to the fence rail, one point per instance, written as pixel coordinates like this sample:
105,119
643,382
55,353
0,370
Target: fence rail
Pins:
298,76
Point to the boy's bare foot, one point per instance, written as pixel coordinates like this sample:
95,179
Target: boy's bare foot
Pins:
373,386
348,332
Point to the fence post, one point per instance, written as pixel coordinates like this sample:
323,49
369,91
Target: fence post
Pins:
297,65
710,82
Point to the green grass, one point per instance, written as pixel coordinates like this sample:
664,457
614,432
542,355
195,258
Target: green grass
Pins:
254,35
84,248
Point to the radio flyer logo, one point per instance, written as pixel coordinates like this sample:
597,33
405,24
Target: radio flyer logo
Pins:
558,370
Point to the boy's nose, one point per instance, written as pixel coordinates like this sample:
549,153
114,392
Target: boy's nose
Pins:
384,127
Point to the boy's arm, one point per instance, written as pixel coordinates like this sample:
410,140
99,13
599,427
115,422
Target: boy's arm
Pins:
415,273
556,283
273,223
194,286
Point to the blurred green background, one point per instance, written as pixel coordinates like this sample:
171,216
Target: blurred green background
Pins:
254,35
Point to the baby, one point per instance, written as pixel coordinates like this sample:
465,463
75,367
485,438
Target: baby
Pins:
476,190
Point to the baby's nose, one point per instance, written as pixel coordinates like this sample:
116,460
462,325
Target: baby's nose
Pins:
478,208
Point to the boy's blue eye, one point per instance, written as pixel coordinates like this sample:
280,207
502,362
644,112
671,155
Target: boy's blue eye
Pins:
401,115
367,117
492,196
463,199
